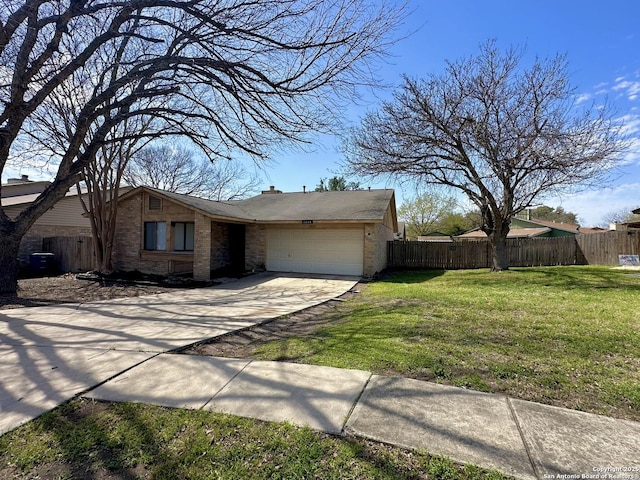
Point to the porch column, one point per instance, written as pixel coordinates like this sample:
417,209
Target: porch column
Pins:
202,247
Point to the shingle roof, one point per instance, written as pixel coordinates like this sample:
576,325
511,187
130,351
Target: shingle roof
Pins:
513,233
333,206
567,227
229,209
351,205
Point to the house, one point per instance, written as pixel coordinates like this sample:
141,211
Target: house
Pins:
435,237
65,219
522,228
401,234
335,232
635,224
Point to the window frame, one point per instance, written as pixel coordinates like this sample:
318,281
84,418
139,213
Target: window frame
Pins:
155,236
185,236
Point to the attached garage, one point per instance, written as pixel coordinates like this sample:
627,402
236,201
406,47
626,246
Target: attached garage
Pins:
316,250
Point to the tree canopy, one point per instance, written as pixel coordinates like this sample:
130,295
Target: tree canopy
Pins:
336,183
558,214
424,213
499,132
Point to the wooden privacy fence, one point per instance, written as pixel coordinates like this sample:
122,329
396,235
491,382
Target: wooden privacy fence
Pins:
587,249
72,254
604,248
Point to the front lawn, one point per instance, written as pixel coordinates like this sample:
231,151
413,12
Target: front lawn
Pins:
86,439
566,336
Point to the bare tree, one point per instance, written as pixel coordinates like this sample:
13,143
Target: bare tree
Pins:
102,177
621,215
225,73
501,134
179,170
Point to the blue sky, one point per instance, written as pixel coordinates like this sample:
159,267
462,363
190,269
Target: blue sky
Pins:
602,44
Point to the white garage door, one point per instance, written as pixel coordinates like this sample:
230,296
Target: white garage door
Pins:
332,251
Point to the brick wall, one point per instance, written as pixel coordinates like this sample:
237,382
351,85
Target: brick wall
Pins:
128,251
202,247
127,243
255,247
376,236
220,254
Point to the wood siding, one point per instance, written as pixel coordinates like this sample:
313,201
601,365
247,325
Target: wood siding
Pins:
72,254
66,212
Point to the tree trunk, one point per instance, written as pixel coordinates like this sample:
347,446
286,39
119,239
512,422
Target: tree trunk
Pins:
105,265
9,246
499,257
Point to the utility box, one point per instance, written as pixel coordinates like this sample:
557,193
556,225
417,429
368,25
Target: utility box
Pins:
42,263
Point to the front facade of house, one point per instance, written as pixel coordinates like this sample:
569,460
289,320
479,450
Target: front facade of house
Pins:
310,232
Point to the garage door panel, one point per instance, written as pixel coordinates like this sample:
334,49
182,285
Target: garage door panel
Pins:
331,251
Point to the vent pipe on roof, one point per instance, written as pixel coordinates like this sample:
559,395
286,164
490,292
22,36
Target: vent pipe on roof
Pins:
304,189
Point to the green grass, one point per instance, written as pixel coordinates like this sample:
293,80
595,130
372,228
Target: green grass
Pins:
85,439
567,336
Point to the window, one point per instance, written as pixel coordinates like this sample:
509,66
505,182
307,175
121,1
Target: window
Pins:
155,236
183,236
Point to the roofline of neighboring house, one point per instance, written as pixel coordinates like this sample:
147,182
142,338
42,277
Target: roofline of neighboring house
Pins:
28,198
539,231
566,227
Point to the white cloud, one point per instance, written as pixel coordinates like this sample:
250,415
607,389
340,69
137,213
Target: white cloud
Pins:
592,205
630,123
583,98
630,88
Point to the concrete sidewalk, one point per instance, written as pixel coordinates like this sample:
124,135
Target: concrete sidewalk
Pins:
50,354
523,439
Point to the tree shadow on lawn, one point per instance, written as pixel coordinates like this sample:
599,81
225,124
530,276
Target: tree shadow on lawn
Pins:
410,276
121,441
584,278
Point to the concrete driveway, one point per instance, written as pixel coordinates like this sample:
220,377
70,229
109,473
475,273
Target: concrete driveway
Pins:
50,354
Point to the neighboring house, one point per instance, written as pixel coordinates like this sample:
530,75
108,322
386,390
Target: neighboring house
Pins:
634,225
334,232
65,219
401,234
521,228
435,237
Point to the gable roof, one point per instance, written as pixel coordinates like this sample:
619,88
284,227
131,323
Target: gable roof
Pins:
513,233
229,209
332,206
537,223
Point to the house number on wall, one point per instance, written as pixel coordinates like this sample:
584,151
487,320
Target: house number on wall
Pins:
307,222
